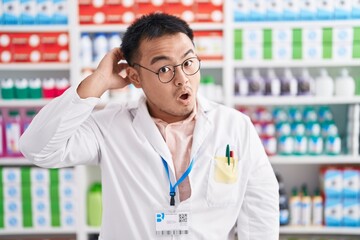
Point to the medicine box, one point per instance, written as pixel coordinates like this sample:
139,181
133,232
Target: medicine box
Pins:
291,9
333,213
333,183
351,213
351,183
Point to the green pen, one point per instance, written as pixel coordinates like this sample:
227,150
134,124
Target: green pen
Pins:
228,153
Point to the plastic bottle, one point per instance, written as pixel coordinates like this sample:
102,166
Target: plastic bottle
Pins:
114,40
317,208
272,84
305,206
13,133
305,83
315,141
86,49
21,88
7,88
295,208
289,84
256,83
94,205
344,84
241,83
61,84
324,84
48,88
35,90
284,202
2,135
100,46
29,115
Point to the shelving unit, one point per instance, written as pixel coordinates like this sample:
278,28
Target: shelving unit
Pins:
289,166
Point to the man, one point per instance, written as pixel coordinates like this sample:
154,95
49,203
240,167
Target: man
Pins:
173,165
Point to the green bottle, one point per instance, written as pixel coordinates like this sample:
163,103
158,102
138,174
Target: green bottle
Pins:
94,205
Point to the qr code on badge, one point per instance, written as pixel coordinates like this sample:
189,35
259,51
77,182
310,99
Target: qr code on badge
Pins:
183,217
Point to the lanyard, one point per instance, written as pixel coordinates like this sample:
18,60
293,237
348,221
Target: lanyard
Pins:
182,178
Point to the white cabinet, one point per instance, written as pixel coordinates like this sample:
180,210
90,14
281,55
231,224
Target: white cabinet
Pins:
295,170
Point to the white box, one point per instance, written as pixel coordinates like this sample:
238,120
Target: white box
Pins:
351,183
342,9
333,183
308,9
11,175
253,52
39,191
343,34
312,51
41,207
68,220
355,12
67,206
44,11
281,35
28,11
252,35
333,213
39,175
282,51
41,221
351,213
13,221
12,191
67,191
311,35
342,51
12,206
11,11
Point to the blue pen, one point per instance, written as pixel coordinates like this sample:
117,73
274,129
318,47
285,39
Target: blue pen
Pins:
228,154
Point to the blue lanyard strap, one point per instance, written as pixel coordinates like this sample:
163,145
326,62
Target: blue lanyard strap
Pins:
181,179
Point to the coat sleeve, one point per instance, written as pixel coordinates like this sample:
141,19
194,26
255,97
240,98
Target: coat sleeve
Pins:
62,134
259,213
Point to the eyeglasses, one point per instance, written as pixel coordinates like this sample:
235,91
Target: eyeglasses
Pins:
166,73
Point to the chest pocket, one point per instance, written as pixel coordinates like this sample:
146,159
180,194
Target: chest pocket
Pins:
223,182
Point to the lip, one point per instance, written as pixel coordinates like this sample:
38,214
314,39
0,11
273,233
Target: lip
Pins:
184,101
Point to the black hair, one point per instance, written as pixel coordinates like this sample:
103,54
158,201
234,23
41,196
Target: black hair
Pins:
151,26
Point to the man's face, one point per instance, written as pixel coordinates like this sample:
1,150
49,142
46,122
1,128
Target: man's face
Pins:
172,101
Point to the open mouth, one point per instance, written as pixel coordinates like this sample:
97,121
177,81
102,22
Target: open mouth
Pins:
184,96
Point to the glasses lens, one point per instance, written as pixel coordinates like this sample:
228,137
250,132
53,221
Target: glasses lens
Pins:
166,74
191,66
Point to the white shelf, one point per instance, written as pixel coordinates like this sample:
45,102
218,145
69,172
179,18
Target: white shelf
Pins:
14,161
294,100
298,24
34,66
24,102
37,231
92,230
296,63
321,230
34,28
322,159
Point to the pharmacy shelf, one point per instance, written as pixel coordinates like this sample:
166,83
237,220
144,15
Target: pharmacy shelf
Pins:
294,100
295,24
34,66
14,161
122,27
34,28
321,159
37,231
92,230
308,63
24,102
320,230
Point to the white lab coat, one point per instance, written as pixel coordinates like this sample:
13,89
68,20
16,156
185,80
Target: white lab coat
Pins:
127,145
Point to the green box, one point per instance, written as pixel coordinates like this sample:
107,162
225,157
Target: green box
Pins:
296,36
54,176
267,36
356,34
238,36
297,51
356,50
238,52
327,51
327,36
25,175
267,51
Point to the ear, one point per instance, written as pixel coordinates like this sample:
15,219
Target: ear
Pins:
133,76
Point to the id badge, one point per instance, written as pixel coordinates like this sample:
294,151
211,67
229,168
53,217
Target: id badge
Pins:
172,223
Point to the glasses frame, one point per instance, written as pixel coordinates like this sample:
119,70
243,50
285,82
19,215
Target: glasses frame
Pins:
174,66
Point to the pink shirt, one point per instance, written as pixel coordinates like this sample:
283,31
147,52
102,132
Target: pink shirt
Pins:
178,136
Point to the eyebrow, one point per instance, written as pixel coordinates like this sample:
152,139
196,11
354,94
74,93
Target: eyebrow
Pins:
158,58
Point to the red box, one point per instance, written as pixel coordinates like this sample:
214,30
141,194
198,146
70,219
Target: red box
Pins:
55,47
119,14
208,11
26,47
209,44
5,48
177,8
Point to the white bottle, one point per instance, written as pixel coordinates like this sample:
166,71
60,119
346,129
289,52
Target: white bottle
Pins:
114,40
272,84
241,83
100,46
86,49
324,84
344,84
289,84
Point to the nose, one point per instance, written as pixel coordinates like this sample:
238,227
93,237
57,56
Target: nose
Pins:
180,78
